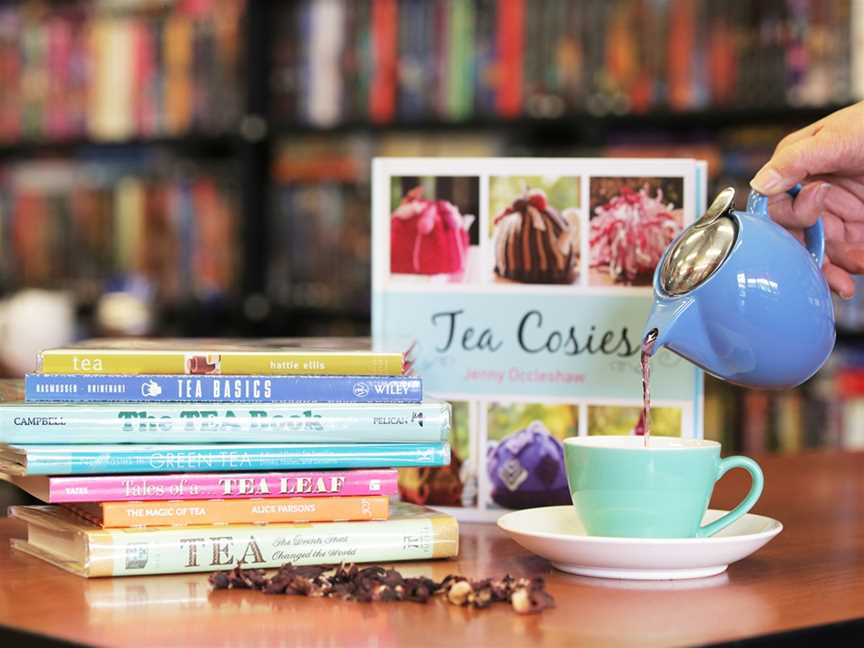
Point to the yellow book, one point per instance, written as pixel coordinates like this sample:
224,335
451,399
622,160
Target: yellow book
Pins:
271,356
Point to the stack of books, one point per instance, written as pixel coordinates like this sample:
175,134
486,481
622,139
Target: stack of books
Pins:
150,456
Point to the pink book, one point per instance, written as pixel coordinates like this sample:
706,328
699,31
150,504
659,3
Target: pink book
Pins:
201,486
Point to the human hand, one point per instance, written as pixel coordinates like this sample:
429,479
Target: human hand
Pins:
827,157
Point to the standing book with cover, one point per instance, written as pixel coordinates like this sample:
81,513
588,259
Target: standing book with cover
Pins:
67,541
68,388
234,511
529,319
131,458
33,423
203,486
277,356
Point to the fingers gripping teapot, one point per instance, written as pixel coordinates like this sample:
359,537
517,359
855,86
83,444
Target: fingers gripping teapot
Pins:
739,296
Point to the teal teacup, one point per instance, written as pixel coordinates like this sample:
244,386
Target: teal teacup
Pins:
621,488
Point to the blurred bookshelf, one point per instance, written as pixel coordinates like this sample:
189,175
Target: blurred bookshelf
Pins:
217,152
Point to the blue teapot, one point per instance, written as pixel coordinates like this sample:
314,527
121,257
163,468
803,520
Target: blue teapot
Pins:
739,296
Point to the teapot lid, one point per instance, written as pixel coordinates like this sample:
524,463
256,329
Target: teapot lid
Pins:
701,248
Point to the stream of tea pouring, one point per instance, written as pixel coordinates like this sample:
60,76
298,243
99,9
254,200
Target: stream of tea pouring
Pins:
643,426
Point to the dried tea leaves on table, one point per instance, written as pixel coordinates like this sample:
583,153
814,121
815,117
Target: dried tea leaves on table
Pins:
376,583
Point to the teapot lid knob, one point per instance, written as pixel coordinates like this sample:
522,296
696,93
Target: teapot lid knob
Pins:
701,248
724,202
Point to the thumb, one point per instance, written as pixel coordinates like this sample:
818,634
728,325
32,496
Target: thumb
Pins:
823,153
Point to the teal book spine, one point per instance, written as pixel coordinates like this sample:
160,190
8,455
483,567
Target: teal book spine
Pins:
114,459
23,423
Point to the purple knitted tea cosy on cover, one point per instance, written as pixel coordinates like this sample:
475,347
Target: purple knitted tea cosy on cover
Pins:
526,469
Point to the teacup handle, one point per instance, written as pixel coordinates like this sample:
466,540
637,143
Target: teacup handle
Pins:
814,236
757,482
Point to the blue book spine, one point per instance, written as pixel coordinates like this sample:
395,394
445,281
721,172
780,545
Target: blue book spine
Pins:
58,388
114,459
427,422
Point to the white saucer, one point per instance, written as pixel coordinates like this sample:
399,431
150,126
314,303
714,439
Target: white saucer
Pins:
557,534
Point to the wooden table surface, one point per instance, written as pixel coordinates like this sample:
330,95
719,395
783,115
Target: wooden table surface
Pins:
812,574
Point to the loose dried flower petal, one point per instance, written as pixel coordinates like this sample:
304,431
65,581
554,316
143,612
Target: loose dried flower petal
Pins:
521,601
458,592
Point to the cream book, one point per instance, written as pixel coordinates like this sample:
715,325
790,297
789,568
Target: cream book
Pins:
62,538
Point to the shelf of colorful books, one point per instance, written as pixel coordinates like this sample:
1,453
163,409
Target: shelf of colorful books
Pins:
119,71
578,122
216,145
381,63
161,225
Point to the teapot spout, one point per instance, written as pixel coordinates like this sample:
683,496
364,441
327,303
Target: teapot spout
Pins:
723,353
676,325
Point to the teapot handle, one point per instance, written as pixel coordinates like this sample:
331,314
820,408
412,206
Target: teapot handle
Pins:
814,236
